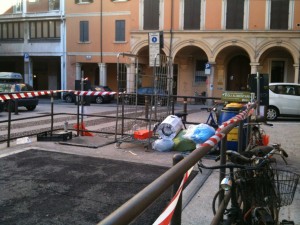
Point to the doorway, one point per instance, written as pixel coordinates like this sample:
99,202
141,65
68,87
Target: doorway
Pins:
237,73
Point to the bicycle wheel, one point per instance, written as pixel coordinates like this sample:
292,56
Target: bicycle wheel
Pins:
262,216
255,138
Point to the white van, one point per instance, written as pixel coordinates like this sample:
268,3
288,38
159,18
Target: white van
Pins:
13,82
284,100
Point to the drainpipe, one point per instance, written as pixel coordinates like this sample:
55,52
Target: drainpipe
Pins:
171,29
101,27
170,50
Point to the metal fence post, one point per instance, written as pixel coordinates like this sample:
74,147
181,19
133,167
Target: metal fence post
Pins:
176,219
52,101
16,107
9,123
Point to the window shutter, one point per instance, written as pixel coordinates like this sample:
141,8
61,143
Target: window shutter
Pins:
192,11
151,14
235,14
279,14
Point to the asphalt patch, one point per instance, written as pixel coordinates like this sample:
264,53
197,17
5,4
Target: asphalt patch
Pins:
43,187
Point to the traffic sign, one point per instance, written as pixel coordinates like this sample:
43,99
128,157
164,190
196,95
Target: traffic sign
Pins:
26,57
207,69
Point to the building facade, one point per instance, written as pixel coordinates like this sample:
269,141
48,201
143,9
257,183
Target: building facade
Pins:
232,38
236,38
32,41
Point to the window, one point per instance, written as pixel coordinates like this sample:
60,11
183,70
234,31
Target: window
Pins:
54,5
11,31
45,29
279,14
235,14
83,1
200,76
120,30
192,11
84,31
151,14
18,6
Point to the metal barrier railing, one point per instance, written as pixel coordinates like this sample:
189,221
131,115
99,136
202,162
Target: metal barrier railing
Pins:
136,205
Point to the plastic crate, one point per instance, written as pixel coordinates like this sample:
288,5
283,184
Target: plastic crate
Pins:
48,136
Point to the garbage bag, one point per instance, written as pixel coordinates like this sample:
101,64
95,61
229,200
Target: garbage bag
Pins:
163,145
199,133
182,144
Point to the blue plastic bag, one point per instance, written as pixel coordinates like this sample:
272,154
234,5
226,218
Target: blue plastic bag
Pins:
199,133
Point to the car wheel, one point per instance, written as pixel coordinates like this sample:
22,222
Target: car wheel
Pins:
12,106
99,100
31,107
69,99
272,113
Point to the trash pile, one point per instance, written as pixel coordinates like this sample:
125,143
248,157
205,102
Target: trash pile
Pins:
172,136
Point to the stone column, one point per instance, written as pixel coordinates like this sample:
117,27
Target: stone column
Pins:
131,74
102,74
254,67
296,78
78,71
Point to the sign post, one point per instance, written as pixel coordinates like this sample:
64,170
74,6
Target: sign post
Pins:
154,48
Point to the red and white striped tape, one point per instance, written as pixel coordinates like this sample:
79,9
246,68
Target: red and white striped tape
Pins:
166,216
94,93
30,94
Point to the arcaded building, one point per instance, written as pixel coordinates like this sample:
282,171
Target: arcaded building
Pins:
233,37
236,38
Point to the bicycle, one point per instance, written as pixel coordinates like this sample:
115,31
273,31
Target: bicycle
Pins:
255,189
212,118
257,135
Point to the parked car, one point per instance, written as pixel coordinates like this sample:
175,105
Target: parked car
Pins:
2,104
29,103
130,98
284,100
99,99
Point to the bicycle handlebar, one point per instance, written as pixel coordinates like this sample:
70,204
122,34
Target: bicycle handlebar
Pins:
260,152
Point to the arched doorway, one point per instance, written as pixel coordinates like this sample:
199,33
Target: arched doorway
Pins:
237,73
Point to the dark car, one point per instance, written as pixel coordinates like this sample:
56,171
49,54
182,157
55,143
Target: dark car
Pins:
29,103
99,99
159,96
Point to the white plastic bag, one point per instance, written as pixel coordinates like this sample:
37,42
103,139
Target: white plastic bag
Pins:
163,145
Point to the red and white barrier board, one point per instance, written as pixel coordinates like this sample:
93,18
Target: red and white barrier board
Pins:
30,94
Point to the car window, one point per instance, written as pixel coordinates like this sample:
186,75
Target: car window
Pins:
15,87
107,88
5,87
98,89
285,89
